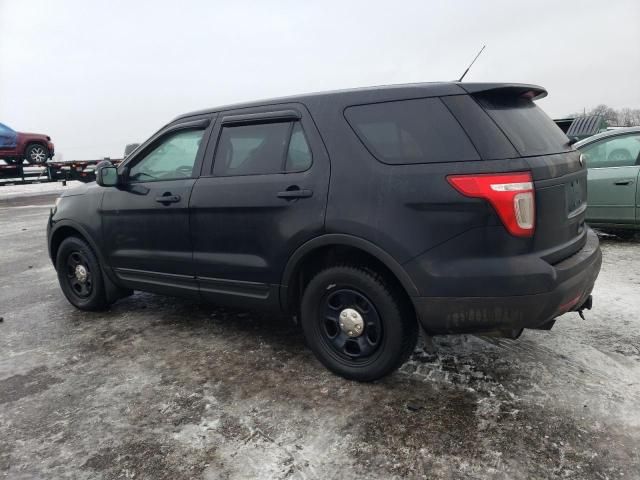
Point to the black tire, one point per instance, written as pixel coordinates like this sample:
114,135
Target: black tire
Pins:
390,329
87,295
37,153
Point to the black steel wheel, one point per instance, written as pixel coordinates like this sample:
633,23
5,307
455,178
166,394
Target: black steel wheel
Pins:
79,275
351,326
356,323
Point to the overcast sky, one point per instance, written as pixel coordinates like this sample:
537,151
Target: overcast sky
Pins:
96,75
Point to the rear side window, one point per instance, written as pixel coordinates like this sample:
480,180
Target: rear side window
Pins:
528,128
299,154
483,132
262,148
411,131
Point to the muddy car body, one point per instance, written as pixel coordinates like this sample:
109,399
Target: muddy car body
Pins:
363,213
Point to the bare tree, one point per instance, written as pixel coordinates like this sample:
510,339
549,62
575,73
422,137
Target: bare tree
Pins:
625,117
608,113
634,117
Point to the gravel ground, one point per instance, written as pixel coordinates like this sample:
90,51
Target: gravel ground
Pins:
163,388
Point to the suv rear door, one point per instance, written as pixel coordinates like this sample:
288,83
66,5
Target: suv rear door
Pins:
560,180
261,194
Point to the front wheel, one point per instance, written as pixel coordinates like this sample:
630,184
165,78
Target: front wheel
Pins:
356,324
80,275
37,153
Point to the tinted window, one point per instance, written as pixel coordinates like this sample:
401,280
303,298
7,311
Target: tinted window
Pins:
528,128
299,154
411,131
622,151
173,158
263,148
490,142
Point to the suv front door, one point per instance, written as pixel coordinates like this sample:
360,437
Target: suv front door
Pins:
145,220
613,164
263,196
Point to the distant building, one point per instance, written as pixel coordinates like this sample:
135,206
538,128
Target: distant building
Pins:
583,126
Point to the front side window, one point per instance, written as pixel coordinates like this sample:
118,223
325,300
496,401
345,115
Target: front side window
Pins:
261,148
622,151
172,159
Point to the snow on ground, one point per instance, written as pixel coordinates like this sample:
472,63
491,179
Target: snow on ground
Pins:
166,388
32,189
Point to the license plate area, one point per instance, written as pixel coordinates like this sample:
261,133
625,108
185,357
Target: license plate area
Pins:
576,196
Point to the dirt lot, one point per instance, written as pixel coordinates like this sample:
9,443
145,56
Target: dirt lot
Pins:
163,388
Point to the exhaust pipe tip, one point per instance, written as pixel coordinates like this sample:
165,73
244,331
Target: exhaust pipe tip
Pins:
588,303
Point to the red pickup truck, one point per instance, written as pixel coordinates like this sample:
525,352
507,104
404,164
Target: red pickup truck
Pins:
15,147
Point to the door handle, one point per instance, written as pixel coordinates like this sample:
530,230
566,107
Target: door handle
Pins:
626,181
295,192
167,198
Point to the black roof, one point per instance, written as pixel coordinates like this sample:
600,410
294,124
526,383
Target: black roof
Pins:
382,92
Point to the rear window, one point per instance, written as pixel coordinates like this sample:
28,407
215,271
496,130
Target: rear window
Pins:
411,131
528,128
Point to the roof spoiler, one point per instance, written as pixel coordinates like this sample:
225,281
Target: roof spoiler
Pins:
534,92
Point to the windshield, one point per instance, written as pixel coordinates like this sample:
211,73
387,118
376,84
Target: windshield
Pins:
5,129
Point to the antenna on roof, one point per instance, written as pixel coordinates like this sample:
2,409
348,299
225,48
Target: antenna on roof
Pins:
472,62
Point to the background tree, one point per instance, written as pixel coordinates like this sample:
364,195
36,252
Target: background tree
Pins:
609,114
625,117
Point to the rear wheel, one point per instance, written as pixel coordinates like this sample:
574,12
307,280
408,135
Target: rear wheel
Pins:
356,324
37,153
80,275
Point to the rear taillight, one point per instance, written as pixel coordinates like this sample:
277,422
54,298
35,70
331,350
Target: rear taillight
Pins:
510,194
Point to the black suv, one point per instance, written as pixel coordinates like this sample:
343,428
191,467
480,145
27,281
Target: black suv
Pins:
363,213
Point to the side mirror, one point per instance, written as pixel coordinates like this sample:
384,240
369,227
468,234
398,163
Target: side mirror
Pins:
107,176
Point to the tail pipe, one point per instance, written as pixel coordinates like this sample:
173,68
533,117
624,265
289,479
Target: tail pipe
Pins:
586,305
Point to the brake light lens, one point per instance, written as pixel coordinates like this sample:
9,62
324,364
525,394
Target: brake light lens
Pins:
510,194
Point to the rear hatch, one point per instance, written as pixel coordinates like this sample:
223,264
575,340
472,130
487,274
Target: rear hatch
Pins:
503,122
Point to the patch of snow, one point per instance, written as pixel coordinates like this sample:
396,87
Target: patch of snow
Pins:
33,189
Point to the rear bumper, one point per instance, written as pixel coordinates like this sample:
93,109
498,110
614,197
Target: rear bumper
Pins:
566,288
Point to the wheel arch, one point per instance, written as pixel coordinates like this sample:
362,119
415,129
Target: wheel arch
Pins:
66,228
291,283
